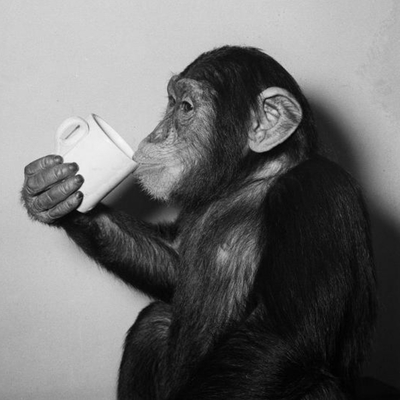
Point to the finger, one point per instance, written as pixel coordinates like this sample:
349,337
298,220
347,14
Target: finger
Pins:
43,163
58,193
39,182
61,210
65,207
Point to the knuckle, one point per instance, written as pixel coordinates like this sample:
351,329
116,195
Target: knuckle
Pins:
33,167
50,160
63,208
42,164
56,213
45,217
35,210
48,178
43,202
58,173
25,193
47,200
46,161
37,205
64,189
54,196
64,170
28,170
31,185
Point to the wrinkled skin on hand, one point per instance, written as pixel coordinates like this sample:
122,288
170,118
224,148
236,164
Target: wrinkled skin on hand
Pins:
51,189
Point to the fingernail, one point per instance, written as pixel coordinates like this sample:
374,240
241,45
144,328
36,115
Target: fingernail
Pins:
78,195
73,167
79,179
58,159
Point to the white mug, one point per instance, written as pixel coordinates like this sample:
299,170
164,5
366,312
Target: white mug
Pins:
103,157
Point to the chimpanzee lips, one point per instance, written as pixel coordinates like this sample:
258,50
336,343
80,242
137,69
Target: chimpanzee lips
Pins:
145,167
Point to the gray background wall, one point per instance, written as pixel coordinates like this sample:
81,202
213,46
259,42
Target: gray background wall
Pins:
62,319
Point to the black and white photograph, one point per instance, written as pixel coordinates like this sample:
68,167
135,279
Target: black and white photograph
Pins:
200,200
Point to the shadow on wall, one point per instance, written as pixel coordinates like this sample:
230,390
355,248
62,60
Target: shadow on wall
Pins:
385,359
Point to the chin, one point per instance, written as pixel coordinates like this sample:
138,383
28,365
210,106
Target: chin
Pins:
157,186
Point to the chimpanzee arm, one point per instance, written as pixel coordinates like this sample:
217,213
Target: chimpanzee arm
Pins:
164,347
137,252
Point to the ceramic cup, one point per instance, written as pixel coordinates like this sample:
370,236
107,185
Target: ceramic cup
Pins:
103,157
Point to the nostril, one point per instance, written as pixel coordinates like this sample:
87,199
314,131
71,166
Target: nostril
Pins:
158,136
154,136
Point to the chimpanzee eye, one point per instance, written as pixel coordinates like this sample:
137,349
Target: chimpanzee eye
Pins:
186,106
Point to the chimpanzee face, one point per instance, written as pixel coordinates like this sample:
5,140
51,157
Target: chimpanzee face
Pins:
179,141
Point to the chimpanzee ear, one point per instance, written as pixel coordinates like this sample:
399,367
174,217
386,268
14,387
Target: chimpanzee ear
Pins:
278,116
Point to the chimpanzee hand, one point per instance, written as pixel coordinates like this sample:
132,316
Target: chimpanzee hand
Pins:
50,189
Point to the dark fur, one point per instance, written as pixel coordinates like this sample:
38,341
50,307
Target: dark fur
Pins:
265,287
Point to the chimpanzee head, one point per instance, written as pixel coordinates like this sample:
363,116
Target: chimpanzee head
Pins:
229,113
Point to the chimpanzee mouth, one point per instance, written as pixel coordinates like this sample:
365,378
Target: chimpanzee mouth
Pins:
145,167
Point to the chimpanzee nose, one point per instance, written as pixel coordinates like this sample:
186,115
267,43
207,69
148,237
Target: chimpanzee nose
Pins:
160,133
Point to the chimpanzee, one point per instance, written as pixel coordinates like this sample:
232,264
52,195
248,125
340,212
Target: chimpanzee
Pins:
264,286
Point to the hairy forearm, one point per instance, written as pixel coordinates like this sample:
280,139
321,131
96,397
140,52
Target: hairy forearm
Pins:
137,252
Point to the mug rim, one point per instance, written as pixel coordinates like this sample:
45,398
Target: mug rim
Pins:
113,135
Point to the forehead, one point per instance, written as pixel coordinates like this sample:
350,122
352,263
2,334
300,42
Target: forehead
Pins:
186,86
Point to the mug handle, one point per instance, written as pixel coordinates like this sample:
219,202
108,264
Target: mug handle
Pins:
70,132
